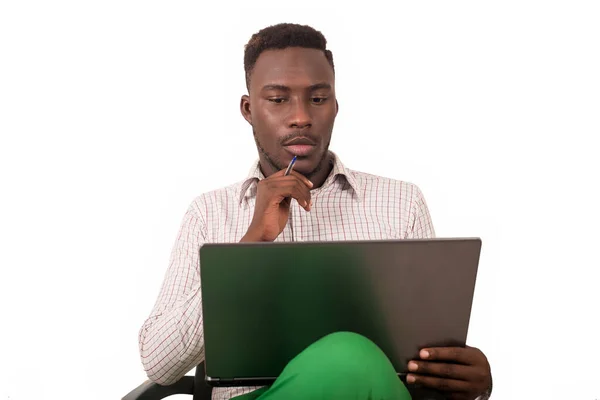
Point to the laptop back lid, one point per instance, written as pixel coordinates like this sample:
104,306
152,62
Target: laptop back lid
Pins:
264,303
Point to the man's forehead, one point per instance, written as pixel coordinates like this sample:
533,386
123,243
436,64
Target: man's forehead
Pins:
292,66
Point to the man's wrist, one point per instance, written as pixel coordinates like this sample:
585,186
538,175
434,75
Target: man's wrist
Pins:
252,236
248,238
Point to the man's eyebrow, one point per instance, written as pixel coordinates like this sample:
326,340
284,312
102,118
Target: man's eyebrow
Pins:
276,87
311,88
318,86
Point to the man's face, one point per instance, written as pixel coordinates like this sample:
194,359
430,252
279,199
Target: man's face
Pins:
292,108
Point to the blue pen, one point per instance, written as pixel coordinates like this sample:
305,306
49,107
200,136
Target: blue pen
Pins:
289,168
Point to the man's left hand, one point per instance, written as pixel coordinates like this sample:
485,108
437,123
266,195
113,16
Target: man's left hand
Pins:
460,373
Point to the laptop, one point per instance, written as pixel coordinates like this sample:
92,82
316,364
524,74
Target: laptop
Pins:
264,303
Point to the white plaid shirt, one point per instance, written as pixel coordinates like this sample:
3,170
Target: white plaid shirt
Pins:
350,205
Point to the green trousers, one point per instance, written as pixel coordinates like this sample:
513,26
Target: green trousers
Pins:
342,365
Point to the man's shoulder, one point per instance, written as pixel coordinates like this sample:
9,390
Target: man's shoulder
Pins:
369,181
217,197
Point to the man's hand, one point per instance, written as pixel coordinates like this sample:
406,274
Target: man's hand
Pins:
461,373
272,208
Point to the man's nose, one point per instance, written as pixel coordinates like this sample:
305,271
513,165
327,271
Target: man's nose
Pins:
300,115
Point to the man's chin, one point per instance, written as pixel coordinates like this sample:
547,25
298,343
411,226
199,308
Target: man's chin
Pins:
310,165
305,164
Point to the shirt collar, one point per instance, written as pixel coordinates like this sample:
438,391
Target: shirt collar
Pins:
248,188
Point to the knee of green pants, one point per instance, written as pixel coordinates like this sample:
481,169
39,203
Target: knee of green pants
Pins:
351,363
346,352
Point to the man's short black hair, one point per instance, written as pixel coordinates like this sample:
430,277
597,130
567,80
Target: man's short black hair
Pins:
282,36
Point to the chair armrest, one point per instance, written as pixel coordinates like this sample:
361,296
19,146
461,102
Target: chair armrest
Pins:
153,391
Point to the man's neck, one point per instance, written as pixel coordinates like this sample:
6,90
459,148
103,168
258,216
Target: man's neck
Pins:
319,178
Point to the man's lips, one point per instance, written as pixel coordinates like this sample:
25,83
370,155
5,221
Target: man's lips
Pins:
300,150
300,146
300,140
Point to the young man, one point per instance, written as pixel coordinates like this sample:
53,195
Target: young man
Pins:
291,106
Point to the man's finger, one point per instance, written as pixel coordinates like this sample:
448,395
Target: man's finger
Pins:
302,195
460,355
293,176
441,384
442,370
289,186
302,178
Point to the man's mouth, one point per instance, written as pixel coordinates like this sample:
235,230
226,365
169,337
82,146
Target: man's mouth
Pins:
300,150
300,146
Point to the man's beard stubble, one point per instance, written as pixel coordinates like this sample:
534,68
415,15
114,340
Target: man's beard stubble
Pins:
278,165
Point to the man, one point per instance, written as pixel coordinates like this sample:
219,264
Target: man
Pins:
291,106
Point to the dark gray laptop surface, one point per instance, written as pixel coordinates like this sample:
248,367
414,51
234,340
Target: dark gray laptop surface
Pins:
264,303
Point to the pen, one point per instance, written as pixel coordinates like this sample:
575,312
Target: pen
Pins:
289,168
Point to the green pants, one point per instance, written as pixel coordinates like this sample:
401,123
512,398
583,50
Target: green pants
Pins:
342,365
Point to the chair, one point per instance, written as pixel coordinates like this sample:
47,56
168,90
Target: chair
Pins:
194,385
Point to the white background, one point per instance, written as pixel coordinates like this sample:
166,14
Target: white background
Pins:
114,115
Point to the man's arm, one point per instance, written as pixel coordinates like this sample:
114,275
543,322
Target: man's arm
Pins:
477,378
171,340
419,222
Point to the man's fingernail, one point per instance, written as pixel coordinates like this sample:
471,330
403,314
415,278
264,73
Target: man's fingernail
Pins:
424,354
410,378
413,366
311,184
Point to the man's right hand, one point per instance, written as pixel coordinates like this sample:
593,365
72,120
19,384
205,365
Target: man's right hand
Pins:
272,209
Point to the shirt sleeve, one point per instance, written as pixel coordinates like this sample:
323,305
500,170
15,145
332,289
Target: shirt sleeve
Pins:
171,340
420,225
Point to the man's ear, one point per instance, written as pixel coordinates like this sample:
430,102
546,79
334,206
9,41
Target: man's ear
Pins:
245,108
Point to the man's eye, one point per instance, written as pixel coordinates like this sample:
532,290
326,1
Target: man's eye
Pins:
277,100
319,100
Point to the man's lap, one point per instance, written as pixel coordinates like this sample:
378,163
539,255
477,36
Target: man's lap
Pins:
341,365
